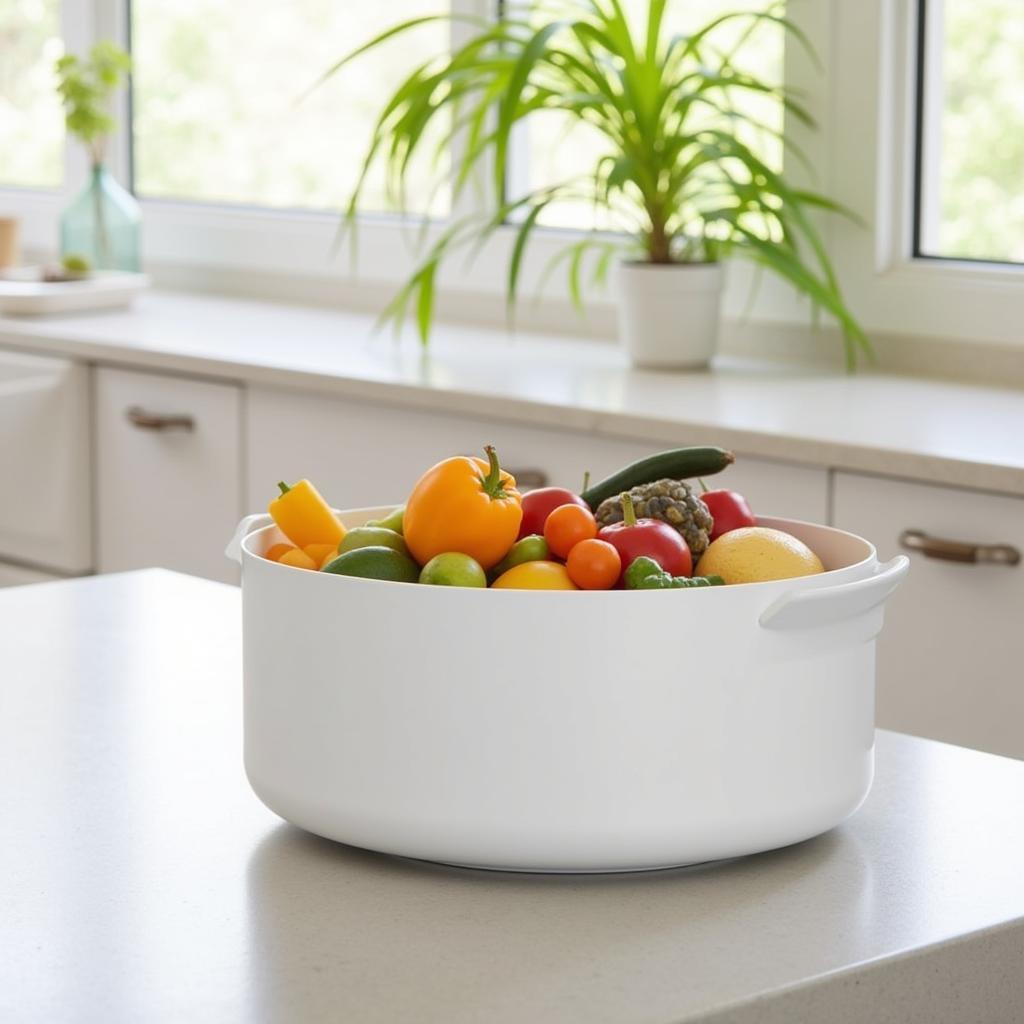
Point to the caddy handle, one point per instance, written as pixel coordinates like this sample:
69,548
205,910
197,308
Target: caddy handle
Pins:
138,417
822,606
244,528
959,551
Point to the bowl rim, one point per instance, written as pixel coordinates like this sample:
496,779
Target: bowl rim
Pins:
826,578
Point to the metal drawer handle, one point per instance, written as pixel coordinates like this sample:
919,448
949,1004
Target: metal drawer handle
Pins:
138,417
958,551
529,479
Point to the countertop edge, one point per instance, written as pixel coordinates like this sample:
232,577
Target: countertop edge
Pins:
778,446
980,979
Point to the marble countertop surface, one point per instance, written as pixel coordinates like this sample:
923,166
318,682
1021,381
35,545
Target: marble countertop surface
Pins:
140,879
968,435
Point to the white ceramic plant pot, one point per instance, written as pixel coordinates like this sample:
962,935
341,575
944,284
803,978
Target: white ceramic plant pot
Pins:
668,313
560,731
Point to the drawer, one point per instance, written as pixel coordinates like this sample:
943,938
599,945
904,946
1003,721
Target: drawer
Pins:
371,454
950,657
167,496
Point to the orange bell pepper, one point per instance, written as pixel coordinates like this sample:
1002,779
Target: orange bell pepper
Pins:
464,504
304,517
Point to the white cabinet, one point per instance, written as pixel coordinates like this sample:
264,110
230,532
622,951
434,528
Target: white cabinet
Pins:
169,472
371,454
951,656
45,514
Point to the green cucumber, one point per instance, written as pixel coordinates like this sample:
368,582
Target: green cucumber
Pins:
675,464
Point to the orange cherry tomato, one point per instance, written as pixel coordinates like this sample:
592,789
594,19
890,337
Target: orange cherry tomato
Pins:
594,565
566,526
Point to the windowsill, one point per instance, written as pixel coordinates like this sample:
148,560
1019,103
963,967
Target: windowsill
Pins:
942,432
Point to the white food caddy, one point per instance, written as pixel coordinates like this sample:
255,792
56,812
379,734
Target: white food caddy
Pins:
562,731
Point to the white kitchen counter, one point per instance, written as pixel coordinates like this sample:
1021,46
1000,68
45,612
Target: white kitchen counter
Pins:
140,880
966,435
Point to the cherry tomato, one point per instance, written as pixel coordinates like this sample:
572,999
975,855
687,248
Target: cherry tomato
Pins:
540,503
594,565
566,526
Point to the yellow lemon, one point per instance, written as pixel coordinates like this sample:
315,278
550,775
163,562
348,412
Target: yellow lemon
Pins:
535,576
754,554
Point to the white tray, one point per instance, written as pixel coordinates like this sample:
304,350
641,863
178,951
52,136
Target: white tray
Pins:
23,293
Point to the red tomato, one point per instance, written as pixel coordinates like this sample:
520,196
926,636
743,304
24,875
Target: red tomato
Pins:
539,504
566,526
594,565
650,537
729,510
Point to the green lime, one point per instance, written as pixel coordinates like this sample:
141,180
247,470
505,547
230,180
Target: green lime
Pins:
533,548
375,563
453,569
392,521
372,536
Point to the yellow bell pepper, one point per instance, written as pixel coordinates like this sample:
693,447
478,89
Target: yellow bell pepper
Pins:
318,552
304,517
275,551
297,558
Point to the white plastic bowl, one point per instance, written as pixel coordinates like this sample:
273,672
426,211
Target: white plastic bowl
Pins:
562,731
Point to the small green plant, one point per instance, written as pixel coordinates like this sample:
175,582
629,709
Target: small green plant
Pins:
86,86
676,176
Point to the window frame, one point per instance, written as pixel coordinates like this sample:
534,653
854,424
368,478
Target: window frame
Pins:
929,34
872,52
864,103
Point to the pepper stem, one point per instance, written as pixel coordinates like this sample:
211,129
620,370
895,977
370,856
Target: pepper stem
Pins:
284,487
628,512
703,486
586,482
493,485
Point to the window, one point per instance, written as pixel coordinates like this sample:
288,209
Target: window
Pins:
970,168
31,123
552,149
217,111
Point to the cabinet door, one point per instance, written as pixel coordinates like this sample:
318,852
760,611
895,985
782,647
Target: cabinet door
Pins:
169,484
45,514
371,454
951,655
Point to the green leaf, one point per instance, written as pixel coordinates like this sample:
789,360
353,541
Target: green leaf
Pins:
680,166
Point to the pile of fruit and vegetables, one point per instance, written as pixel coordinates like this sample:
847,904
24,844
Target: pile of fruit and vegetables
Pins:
647,527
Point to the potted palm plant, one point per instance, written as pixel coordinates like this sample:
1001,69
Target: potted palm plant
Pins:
678,174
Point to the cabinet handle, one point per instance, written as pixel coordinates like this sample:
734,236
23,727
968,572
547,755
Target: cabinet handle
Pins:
529,479
958,551
138,417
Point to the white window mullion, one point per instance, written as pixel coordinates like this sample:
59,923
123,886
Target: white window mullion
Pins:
78,27
469,202
111,22
931,108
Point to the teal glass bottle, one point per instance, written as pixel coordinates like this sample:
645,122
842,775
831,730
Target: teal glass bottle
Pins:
103,224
